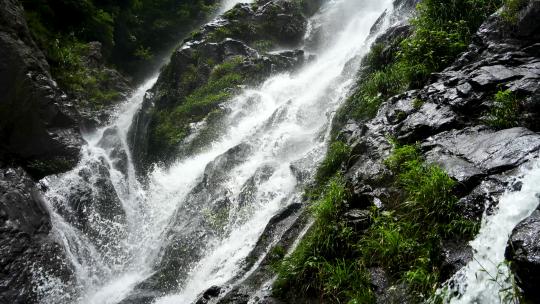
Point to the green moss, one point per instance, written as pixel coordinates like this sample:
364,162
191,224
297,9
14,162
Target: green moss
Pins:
173,124
417,103
263,45
337,154
323,265
511,10
505,110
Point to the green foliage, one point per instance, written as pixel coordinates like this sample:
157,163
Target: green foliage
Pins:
511,10
377,88
72,74
337,154
128,30
173,124
332,259
323,262
505,111
442,30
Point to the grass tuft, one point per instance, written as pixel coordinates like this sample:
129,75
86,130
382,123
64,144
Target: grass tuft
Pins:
505,111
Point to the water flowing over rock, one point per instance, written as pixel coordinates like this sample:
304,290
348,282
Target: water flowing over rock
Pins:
237,34
179,202
24,229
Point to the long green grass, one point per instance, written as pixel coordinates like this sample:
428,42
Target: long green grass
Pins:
505,111
333,260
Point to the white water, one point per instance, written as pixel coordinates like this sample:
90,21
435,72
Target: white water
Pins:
228,4
486,279
283,123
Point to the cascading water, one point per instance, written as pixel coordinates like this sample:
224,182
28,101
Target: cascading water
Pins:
228,4
203,214
486,279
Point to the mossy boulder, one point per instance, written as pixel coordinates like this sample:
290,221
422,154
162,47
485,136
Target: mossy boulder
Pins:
209,68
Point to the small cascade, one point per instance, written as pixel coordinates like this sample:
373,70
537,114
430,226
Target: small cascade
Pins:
487,279
194,223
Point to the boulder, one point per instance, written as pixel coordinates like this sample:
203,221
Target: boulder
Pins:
248,31
24,230
523,251
38,124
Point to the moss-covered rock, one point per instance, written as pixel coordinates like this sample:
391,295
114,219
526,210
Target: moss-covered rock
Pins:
209,68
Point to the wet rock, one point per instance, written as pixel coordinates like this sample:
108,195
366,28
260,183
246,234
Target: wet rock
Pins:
379,280
112,144
430,119
488,150
485,195
523,251
238,33
455,166
359,219
454,255
38,124
209,294
24,227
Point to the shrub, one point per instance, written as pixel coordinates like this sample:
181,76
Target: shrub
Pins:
505,111
337,154
332,259
324,263
511,10
173,124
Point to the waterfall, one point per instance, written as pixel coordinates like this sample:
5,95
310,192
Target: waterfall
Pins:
228,4
486,279
206,211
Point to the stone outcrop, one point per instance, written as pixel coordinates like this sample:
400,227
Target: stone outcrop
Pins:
24,230
524,252
38,124
248,31
448,119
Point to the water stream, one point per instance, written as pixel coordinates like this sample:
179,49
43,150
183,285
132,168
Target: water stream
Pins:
486,279
199,218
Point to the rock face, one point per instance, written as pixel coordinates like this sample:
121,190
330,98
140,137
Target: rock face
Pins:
24,231
524,252
248,32
448,119
38,125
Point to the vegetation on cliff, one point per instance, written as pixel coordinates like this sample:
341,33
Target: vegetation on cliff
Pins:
335,261
129,33
214,64
332,262
441,31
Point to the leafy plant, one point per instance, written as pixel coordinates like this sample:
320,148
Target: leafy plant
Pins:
511,10
337,154
505,111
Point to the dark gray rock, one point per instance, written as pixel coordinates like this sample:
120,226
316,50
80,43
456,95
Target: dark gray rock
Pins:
112,144
38,125
488,150
281,23
24,229
523,251
454,255
428,120
359,219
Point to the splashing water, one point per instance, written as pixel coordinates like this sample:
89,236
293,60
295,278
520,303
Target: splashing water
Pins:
204,213
485,279
228,4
